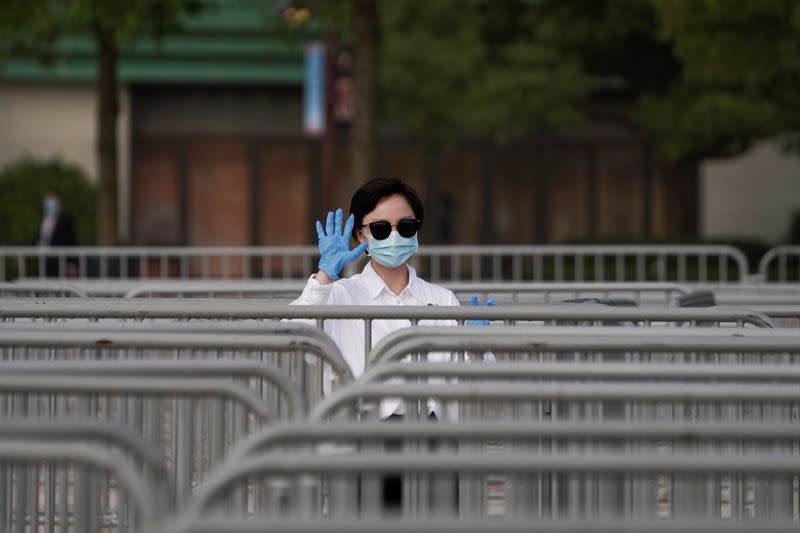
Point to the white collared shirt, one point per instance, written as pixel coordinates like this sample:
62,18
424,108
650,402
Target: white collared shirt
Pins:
367,288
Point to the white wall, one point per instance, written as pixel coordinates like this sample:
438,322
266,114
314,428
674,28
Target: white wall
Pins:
59,120
753,195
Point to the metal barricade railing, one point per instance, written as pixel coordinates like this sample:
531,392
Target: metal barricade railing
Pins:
43,493
553,292
753,294
46,481
624,342
439,525
126,262
105,309
705,414
653,293
781,264
287,351
108,371
724,402
105,288
663,497
48,290
594,458
576,354
502,292
650,293
272,289
663,263
114,398
780,311
679,263
781,315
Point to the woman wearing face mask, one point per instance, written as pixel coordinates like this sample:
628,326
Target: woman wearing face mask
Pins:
385,217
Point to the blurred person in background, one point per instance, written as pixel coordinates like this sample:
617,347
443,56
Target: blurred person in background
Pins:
56,229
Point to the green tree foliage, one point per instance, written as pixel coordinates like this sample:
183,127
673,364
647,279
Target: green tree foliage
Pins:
33,27
739,80
703,77
22,187
475,66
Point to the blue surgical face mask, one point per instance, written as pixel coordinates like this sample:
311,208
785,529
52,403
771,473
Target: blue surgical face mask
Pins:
392,251
51,206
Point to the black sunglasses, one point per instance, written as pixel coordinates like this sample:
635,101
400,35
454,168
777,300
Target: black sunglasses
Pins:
381,229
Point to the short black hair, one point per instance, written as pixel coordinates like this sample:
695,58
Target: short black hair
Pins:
372,192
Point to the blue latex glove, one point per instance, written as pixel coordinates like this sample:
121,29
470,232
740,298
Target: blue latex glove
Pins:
476,302
334,245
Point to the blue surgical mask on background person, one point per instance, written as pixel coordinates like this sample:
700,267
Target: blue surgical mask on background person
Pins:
392,251
51,206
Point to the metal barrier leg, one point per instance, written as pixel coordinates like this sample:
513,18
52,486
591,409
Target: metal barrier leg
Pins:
341,499
184,445
371,493
80,494
444,487
5,481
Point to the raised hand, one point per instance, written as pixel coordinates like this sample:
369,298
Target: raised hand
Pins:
334,244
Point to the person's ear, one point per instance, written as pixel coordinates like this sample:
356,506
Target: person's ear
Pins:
361,237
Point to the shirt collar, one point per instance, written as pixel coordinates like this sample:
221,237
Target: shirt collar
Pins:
375,284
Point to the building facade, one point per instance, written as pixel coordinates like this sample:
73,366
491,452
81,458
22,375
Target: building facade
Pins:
212,152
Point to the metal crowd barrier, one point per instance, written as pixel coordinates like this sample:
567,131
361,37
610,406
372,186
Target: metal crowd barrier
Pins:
694,423
502,292
62,461
693,454
271,352
781,264
626,376
592,453
649,293
780,311
45,492
191,388
232,525
679,263
634,344
106,309
48,290
573,427
662,293
753,294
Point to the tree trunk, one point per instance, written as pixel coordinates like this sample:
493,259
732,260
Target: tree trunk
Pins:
107,233
363,132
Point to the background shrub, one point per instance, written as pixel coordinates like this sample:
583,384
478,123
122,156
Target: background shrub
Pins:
22,186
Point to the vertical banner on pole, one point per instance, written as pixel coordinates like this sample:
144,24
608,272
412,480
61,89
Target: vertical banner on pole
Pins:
314,90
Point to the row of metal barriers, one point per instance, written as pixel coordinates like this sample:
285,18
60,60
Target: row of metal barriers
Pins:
200,415
527,293
574,263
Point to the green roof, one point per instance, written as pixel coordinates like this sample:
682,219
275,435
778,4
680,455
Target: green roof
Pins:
231,43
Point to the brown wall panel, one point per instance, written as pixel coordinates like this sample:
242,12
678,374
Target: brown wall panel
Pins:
283,214
155,198
405,163
218,193
512,179
219,200
567,209
460,182
620,200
